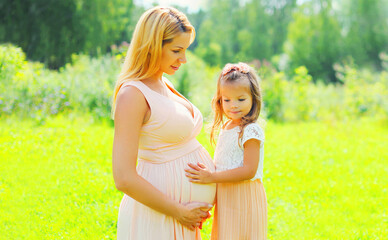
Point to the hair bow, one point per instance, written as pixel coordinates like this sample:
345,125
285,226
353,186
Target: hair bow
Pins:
241,67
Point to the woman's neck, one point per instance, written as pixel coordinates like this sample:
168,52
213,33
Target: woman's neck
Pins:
156,83
157,77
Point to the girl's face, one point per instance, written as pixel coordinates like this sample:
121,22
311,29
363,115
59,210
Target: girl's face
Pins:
174,53
236,99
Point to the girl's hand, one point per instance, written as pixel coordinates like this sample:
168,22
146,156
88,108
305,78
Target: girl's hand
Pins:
198,173
192,214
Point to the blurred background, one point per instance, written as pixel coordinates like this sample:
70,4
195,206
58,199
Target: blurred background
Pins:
323,66
318,59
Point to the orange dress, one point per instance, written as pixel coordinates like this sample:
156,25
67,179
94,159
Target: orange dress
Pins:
167,144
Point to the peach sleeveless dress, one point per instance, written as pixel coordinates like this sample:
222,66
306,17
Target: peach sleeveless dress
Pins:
167,144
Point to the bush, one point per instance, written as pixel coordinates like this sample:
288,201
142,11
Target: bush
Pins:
197,81
28,89
297,98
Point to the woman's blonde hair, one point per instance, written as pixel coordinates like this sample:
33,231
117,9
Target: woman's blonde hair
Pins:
156,27
232,73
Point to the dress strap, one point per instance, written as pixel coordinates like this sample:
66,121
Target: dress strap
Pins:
142,87
168,83
148,95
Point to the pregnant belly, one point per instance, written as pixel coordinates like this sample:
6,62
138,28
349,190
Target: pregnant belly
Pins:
170,178
203,192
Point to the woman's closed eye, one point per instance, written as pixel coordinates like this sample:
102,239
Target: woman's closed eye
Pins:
176,51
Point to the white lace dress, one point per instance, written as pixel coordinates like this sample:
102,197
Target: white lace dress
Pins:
241,208
229,153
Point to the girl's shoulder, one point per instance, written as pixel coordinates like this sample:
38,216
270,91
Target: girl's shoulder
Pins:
227,125
254,125
253,131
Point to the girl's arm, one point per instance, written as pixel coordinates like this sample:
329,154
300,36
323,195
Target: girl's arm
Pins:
200,174
131,109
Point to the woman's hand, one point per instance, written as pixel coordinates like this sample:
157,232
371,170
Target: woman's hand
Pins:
193,213
199,173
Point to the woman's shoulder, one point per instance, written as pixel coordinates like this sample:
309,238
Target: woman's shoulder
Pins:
130,103
129,94
134,87
135,83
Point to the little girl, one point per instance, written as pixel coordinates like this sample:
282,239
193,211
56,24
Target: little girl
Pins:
241,208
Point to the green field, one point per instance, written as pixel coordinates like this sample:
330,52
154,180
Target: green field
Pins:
323,180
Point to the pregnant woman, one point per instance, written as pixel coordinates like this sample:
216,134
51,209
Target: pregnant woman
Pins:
155,135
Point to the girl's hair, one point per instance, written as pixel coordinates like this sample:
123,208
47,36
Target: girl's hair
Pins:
156,27
232,73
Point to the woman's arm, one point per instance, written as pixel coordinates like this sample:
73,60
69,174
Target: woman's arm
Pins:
131,109
200,174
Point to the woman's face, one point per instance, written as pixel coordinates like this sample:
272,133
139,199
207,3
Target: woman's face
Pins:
174,53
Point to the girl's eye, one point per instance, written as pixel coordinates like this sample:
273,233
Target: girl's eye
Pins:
241,100
226,100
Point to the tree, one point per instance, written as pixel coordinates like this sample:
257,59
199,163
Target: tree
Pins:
280,15
366,25
314,40
244,30
257,44
50,31
196,19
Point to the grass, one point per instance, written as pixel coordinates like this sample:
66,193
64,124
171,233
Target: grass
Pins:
323,180
327,181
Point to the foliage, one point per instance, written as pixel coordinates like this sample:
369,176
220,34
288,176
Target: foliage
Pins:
297,98
51,31
315,33
56,180
236,31
274,96
366,27
30,90
197,81
308,38
90,84
25,86
365,92
12,62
